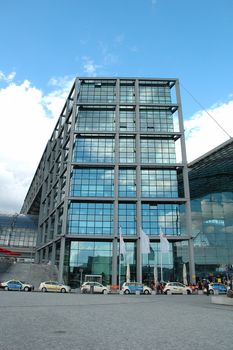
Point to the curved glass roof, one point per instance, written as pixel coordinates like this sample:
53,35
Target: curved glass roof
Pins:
212,172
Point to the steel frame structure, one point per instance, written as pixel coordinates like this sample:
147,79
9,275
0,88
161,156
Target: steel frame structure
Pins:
49,192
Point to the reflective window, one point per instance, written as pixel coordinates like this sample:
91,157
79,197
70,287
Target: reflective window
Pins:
157,151
94,150
153,92
101,91
127,182
127,218
212,224
90,219
95,118
92,182
156,120
161,216
127,119
18,230
127,150
89,258
127,92
159,183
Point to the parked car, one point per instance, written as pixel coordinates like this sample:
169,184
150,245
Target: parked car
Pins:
133,287
216,288
176,288
54,286
17,285
95,287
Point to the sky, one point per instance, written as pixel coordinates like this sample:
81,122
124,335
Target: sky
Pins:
45,44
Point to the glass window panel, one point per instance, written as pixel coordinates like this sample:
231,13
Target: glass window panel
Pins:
157,151
161,216
152,92
127,183
156,120
93,150
94,118
92,182
97,91
159,183
127,150
127,119
127,218
98,219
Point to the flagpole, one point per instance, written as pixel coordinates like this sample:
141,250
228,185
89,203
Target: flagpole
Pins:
122,251
144,247
161,262
164,248
119,272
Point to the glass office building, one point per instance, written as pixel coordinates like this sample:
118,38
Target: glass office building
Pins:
112,163
211,189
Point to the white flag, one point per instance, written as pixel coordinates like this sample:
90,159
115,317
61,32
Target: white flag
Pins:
122,244
164,244
145,243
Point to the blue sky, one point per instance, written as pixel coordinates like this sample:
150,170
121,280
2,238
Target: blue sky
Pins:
45,44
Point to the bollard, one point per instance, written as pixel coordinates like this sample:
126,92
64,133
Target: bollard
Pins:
91,289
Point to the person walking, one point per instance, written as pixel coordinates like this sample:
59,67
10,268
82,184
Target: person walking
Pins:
206,287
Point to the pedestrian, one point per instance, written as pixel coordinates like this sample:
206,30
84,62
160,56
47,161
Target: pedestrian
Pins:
206,287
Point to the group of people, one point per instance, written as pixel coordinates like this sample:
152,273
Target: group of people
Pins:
158,287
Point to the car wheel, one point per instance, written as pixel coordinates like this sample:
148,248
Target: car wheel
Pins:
6,288
165,292
146,291
188,292
211,291
63,290
43,290
26,289
126,291
105,291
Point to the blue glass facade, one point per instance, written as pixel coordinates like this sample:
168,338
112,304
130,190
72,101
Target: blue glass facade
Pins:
213,234
211,180
111,163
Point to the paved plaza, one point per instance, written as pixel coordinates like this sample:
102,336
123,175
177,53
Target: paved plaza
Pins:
74,321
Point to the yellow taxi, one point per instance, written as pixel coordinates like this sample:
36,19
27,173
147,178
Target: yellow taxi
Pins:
54,286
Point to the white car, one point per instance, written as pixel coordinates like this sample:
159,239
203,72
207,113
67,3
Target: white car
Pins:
54,286
176,288
94,287
17,285
133,287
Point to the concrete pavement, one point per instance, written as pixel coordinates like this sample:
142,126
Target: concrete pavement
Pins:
75,321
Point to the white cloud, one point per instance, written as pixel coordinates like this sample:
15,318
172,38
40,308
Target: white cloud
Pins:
89,67
27,121
203,134
119,39
7,78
